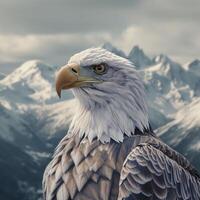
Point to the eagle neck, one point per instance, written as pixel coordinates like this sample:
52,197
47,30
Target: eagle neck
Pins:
111,119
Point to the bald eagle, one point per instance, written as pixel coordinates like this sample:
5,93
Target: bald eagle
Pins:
110,151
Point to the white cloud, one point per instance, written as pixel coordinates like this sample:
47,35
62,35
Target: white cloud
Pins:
53,47
174,39
53,34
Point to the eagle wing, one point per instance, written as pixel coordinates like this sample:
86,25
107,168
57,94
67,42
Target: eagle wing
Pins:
156,172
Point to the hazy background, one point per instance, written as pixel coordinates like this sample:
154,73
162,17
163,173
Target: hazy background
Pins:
162,39
53,30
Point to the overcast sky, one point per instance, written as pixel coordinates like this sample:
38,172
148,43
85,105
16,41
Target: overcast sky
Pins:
52,30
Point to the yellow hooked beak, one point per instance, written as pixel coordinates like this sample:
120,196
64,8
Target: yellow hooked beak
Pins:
69,77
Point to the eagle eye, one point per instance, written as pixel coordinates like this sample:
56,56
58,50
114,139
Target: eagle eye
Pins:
100,69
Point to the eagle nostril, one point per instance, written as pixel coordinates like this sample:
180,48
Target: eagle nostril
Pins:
75,71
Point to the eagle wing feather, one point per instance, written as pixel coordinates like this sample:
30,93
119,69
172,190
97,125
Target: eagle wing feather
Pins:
156,172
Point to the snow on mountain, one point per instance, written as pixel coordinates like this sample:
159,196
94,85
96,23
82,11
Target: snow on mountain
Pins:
177,73
30,70
187,118
54,118
31,82
169,85
170,69
138,57
19,173
26,96
10,124
182,133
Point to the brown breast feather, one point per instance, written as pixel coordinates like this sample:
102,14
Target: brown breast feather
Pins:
84,170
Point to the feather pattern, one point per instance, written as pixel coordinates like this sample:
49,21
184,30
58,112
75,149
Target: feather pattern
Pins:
98,103
155,171
140,167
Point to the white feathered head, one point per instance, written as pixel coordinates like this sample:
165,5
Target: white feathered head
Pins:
109,93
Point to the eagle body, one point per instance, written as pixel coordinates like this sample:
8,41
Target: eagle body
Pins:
110,151
83,170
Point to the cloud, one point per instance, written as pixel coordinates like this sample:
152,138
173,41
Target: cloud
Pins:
54,48
172,38
64,16
53,30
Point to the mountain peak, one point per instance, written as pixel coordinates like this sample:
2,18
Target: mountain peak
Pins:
164,59
196,62
28,70
108,46
34,64
138,57
32,81
194,66
136,49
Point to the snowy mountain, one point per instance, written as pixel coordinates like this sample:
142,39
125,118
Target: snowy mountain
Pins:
8,130
33,119
182,133
169,85
18,167
29,129
29,83
138,57
19,173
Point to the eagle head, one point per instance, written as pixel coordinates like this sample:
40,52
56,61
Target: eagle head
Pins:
109,94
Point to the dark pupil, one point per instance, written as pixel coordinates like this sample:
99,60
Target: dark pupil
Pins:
99,68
